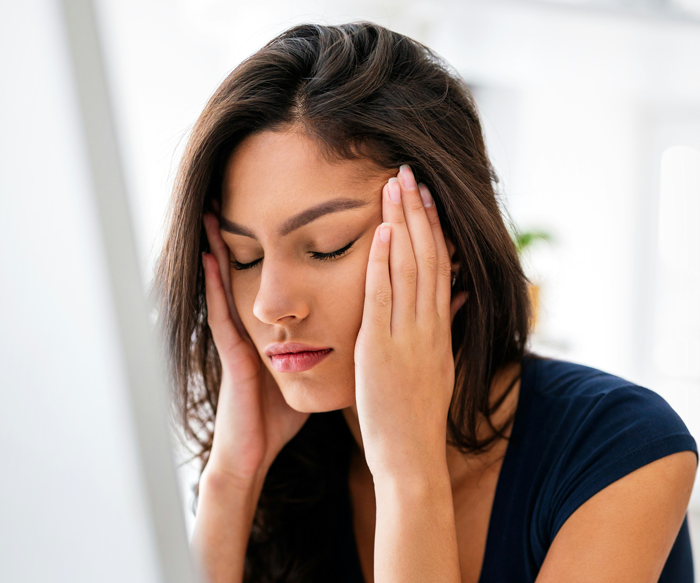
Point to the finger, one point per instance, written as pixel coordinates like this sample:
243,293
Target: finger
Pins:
378,287
223,330
221,252
423,241
443,288
219,249
402,261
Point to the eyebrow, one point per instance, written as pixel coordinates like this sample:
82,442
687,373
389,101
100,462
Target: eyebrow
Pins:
298,220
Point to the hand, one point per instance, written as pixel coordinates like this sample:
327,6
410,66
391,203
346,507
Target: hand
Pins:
404,369
253,421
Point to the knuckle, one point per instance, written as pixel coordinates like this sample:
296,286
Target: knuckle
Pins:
408,271
384,355
216,319
382,297
430,337
399,219
380,353
433,218
430,257
445,267
414,203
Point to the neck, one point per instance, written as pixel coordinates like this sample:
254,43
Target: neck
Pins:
460,465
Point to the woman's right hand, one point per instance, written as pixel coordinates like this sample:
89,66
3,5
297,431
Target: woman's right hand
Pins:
253,421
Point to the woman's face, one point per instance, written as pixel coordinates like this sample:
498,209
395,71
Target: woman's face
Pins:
284,205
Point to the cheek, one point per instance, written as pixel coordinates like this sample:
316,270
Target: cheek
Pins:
346,294
244,297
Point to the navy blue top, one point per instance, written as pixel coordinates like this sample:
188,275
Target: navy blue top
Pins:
576,430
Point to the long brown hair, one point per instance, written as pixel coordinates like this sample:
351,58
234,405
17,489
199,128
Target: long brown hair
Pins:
359,90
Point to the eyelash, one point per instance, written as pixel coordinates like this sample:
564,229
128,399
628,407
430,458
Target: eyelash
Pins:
320,256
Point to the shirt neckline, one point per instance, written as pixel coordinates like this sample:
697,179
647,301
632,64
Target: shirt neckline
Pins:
502,497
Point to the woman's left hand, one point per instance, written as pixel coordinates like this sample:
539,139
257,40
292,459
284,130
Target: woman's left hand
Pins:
404,369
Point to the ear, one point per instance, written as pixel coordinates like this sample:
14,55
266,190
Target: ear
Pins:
451,249
460,298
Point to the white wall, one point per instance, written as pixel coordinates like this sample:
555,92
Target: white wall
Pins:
72,508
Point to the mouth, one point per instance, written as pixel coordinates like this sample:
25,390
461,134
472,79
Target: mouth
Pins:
298,361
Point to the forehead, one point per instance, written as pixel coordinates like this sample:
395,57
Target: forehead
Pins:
285,171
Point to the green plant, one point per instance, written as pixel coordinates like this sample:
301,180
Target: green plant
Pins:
525,239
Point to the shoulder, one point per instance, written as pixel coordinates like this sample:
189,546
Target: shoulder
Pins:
596,403
563,379
628,530
591,428
618,466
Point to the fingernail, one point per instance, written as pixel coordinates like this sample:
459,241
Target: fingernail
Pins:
425,195
384,232
394,189
407,178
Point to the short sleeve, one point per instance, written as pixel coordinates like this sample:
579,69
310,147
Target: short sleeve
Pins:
616,433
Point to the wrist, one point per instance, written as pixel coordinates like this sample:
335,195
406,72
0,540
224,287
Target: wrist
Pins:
220,479
415,464
413,481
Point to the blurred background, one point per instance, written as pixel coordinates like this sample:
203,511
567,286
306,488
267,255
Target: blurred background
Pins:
591,111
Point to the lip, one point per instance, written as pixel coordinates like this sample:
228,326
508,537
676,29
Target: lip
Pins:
295,357
287,347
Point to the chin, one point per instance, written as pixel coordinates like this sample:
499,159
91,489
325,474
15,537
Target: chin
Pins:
306,398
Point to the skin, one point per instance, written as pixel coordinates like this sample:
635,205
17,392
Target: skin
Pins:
385,309
296,297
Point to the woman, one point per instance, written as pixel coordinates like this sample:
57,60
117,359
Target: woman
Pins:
350,353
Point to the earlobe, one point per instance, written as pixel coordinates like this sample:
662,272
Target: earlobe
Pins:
451,249
456,303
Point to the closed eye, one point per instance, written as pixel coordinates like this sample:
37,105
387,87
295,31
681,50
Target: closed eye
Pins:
316,255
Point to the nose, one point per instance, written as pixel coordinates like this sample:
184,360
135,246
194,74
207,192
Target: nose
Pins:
282,294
